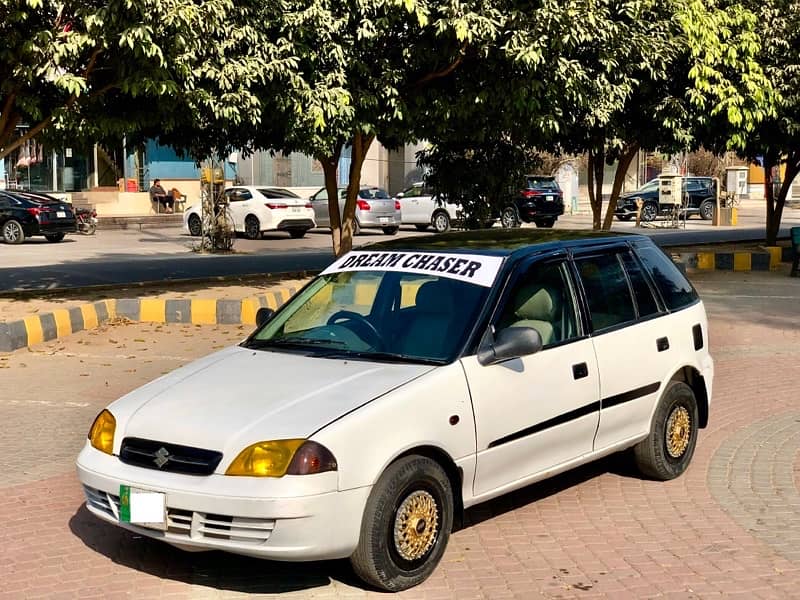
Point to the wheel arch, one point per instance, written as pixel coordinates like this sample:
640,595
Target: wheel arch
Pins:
692,377
454,473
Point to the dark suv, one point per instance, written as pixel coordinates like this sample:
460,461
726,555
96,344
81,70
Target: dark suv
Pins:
541,201
702,193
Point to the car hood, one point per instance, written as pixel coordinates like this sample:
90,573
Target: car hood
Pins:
236,397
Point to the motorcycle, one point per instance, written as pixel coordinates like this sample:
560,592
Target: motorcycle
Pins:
86,220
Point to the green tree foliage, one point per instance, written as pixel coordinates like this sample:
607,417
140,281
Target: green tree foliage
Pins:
96,69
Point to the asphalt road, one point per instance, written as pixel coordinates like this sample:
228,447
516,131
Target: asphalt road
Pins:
112,258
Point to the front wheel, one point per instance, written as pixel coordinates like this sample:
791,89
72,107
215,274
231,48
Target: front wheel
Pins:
441,222
54,237
390,230
666,452
406,525
13,232
649,212
509,218
195,225
252,228
707,210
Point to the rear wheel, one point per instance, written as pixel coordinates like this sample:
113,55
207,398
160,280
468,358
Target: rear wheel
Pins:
707,210
54,237
252,228
406,525
649,212
666,452
13,232
297,233
545,222
421,227
509,217
390,230
195,226
441,222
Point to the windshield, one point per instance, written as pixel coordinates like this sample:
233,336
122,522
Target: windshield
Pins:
376,315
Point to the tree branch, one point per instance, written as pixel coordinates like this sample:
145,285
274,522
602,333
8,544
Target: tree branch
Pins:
444,72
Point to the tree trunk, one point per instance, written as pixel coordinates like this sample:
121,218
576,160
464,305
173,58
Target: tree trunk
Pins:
769,197
623,165
361,143
596,168
329,167
775,205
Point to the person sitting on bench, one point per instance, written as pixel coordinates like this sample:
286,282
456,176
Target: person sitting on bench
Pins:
159,194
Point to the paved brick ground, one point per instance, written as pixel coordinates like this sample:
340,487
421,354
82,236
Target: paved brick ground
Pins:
729,527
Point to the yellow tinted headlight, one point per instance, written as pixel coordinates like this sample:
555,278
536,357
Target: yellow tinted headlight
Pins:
265,459
101,435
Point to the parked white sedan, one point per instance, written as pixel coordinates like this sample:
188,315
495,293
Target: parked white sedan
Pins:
257,209
420,207
404,384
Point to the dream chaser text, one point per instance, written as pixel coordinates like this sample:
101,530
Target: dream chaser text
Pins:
417,262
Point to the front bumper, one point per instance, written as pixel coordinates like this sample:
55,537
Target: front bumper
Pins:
242,515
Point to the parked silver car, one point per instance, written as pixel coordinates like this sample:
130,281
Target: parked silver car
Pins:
374,208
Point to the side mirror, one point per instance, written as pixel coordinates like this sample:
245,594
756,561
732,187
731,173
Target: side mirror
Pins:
263,316
511,342
400,195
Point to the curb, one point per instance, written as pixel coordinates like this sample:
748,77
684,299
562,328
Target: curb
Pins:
60,323
764,260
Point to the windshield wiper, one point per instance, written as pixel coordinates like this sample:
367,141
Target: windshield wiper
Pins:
383,357
292,342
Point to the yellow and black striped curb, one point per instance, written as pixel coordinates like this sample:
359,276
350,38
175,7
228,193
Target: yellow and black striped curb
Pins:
762,260
55,325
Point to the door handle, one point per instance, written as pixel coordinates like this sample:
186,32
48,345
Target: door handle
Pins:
662,344
580,370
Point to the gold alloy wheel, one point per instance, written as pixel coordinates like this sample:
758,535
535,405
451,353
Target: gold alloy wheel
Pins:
415,525
679,430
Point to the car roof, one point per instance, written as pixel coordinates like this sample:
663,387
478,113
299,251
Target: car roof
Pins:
506,242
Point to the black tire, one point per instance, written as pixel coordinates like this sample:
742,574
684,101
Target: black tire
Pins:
297,233
390,230
668,449
707,209
509,218
440,221
649,212
624,217
356,228
545,223
252,227
421,227
381,558
54,237
195,225
12,232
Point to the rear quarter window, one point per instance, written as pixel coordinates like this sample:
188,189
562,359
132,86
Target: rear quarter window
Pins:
674,288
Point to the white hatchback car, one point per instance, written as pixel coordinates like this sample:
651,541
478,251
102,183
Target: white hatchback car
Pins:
420,207
257,209
404,384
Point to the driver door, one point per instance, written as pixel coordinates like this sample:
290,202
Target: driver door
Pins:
536,412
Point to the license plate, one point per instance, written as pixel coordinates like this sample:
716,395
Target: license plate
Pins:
60,214
142,507
296,209
549,198
384,219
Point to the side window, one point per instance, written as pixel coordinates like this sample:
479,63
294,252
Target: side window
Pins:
645,300
675,289
321,196
245,195
542,299
607,290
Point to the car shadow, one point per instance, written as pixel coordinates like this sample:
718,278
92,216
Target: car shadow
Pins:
214,569
224,571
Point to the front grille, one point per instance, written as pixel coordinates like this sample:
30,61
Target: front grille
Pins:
171,458
194,525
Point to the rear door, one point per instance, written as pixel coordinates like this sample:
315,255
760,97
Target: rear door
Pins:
536,412
319,202
237,198
631,341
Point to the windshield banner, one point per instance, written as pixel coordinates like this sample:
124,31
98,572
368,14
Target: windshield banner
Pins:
472,268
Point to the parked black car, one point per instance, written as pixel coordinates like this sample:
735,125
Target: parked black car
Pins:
541,201
27,214
702,193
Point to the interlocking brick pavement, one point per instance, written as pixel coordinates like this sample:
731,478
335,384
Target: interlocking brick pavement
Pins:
727,528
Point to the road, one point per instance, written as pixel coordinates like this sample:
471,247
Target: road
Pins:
121,257
729,527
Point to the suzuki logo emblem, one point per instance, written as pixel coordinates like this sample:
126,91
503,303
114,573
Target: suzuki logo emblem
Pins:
162,457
